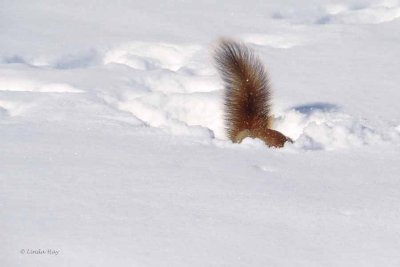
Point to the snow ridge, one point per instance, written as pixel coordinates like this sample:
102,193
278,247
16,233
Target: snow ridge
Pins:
175,88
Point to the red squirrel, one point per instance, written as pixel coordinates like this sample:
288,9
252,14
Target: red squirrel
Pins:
247,94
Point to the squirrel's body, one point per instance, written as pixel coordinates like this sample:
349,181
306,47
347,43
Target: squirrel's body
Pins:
247,95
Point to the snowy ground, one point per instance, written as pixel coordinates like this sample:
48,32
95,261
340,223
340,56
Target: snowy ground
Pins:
113,150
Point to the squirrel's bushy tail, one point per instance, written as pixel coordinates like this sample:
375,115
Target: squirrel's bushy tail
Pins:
247,94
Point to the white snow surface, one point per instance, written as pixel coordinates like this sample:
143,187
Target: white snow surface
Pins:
113,150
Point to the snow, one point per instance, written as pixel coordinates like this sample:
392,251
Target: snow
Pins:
114,153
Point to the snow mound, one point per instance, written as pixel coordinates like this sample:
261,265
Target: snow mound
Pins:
173,90
321,126
9,108
28,85
3,112
34,79
81,59
148,56
170,87
335,13
317,126
373,14
197,114
273,40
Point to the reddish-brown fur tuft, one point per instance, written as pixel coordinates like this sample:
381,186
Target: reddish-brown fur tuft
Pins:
247,95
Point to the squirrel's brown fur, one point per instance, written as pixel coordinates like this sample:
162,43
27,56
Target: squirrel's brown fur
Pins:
247,95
